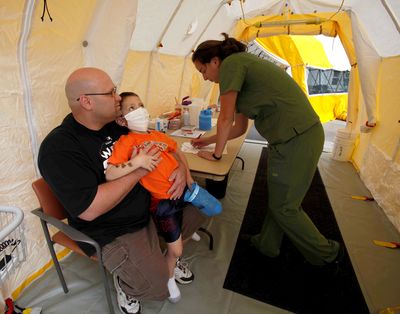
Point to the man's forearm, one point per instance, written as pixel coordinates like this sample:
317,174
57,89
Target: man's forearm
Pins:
111,193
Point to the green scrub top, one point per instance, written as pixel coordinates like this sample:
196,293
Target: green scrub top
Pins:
267,95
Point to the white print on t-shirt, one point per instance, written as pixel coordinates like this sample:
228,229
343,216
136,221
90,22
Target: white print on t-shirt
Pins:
106,154
106,151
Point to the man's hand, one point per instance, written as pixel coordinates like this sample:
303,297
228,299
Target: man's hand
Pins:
178,177
189,181
121,121
148,158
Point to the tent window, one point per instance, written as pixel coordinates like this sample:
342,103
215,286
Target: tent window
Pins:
327,81
255,49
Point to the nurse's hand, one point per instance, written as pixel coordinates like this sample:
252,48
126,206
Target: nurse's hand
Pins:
200,142
206,155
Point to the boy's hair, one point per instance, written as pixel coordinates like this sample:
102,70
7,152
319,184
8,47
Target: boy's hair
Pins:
126,94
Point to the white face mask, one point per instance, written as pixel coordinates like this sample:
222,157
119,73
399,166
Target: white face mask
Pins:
138,120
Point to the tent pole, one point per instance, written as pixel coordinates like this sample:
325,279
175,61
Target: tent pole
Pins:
222,3
159,42
392,16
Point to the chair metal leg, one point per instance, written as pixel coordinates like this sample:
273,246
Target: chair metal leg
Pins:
53,255
105,278
211,244
106,283
240,158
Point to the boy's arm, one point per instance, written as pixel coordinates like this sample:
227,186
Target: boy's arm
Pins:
116,171
148,159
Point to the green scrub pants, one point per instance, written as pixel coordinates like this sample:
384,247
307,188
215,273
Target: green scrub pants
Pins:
291,168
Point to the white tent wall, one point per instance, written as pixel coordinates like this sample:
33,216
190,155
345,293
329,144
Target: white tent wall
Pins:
36,57
379,150
368,66
161,80
158,79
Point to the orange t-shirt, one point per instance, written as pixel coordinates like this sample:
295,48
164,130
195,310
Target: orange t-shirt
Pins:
156,182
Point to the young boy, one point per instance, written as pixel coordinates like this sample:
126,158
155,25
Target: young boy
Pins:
166,212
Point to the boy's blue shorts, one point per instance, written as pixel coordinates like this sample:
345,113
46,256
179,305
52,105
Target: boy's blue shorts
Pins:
168,219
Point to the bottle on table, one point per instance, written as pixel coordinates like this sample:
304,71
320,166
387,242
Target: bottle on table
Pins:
205,119
186,116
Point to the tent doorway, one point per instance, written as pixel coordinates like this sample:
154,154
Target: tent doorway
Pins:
324,63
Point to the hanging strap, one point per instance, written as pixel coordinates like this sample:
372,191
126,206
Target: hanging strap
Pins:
45,9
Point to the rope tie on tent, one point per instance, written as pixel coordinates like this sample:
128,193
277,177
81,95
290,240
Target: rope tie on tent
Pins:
45,9
241,8
338,10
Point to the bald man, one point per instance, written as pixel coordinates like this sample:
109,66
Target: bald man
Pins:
72,160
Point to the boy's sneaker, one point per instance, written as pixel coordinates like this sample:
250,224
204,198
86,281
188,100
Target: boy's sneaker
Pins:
196,237
183,275
126,303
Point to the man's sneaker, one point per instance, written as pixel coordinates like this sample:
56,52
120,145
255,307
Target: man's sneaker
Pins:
183,275
126,303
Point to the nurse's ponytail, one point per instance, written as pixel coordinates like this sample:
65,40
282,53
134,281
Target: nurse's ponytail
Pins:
217,48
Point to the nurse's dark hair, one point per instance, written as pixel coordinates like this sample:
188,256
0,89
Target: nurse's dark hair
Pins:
217,48
126,94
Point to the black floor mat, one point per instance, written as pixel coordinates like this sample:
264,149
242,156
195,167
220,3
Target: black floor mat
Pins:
287,281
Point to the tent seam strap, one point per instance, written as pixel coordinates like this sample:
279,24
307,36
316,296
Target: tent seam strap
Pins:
27,93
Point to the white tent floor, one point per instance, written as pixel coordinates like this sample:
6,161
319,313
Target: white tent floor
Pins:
360,222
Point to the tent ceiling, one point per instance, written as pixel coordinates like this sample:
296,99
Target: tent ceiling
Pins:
170,21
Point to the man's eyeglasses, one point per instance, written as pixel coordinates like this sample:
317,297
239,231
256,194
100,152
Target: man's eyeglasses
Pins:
111,93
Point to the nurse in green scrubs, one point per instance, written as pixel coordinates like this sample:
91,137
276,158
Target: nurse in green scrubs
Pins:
253,88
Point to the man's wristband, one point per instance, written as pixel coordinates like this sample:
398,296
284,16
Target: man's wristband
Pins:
215,157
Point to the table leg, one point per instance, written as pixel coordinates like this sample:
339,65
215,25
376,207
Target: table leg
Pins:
217,188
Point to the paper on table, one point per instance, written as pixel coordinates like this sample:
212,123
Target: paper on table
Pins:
194,134
188,148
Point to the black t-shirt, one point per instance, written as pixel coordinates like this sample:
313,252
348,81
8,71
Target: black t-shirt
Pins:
72,160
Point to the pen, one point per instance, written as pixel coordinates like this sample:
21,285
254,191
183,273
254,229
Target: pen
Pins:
362,198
